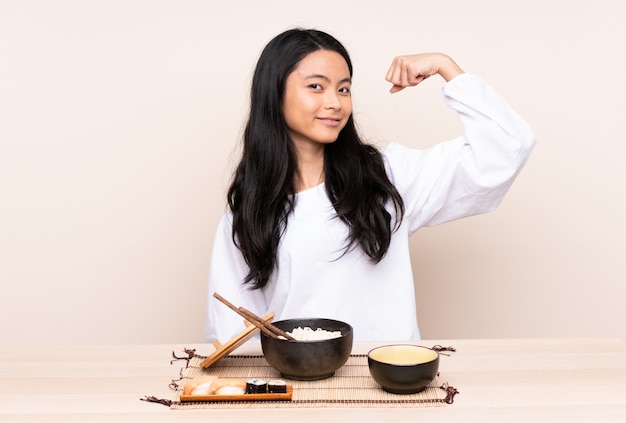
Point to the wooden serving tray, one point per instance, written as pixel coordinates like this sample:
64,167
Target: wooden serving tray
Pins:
242,397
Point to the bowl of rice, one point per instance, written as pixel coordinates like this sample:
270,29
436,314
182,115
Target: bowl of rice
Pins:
321,346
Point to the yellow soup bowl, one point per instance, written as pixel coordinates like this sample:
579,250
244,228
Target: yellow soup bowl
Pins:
403,369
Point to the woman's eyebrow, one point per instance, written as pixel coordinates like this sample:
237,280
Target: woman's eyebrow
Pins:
325,78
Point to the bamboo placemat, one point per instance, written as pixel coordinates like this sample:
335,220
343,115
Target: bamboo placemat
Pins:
351,386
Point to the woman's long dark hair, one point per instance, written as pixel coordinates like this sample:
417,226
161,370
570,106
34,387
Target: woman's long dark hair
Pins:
261,193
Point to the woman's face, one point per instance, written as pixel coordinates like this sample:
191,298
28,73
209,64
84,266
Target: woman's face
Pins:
317,101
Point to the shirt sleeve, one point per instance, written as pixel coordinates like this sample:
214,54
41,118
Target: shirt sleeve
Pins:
470,174
226,274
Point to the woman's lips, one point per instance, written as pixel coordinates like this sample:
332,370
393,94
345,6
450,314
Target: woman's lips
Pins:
330,121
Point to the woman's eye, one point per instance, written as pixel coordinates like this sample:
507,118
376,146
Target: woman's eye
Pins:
344,90
315,86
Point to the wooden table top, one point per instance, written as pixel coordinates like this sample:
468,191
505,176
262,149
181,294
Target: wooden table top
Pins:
499,380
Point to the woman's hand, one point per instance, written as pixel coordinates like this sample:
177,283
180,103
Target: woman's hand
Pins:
408,71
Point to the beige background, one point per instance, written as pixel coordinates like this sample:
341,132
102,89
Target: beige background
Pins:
118,126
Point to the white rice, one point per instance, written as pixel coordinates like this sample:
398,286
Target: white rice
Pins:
308,334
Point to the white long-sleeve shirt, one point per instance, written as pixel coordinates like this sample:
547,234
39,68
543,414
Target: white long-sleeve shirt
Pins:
462,177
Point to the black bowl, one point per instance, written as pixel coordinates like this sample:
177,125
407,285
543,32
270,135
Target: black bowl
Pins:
403,369
308,360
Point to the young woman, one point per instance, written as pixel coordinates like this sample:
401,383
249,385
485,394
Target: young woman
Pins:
318,221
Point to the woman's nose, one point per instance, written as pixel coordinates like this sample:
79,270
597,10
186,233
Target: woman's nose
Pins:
332,101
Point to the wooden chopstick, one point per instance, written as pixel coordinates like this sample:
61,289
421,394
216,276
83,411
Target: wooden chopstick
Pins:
257,321
253,321
266,325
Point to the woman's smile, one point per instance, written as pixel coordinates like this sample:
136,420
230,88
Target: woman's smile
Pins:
334,122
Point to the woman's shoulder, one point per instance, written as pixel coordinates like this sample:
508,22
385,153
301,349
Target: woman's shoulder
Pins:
225,222
396,154
393,148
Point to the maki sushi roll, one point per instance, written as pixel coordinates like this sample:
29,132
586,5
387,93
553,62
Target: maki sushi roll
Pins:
277,386
256,386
